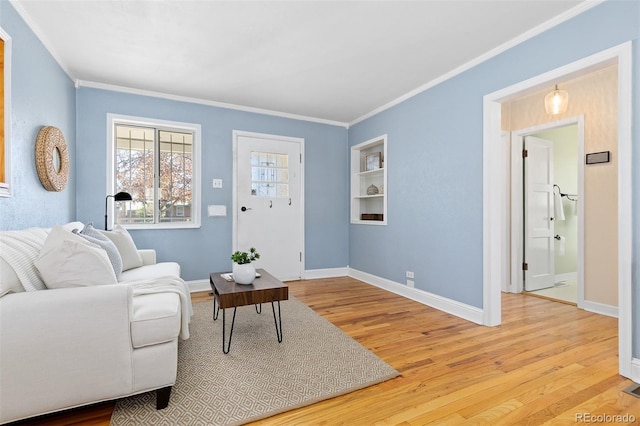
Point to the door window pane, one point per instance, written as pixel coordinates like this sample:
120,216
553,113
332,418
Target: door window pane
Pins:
269,174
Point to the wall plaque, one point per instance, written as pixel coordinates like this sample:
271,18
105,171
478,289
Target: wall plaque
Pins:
598,157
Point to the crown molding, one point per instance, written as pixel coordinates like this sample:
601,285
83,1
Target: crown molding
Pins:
150,93
557,20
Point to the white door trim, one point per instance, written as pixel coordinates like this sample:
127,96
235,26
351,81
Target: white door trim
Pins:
515,285
495,206
234,187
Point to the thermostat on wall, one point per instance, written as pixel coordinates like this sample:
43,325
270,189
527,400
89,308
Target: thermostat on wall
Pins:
599,157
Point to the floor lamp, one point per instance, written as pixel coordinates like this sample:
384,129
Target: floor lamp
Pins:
120,196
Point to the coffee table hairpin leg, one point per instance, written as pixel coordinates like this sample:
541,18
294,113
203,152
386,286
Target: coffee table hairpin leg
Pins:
277,322
216,310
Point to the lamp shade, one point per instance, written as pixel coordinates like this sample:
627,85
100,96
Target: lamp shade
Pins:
122,196
556,102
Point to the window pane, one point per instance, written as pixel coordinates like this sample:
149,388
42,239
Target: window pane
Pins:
269,174
176,174
135,151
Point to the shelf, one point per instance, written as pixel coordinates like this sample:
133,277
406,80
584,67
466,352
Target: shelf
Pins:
369,196
372,172
369,222
361,203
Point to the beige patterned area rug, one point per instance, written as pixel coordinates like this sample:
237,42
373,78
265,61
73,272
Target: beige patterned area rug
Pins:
259,377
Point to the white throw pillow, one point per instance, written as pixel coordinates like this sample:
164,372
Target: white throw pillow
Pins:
94,236
57,236
127,248
75,264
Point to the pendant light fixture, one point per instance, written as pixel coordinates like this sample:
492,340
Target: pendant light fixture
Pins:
556,102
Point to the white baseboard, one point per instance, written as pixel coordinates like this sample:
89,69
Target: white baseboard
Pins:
198,285
461,310
600,308
635,370
204,285
312,274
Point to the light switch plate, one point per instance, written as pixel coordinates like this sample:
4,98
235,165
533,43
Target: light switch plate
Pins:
217,183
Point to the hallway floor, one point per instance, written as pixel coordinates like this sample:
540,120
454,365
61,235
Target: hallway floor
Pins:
566,291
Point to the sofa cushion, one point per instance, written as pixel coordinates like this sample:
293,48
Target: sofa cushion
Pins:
68,260
127,248
156,319
151,272
94,236
57,235
73,225
74,264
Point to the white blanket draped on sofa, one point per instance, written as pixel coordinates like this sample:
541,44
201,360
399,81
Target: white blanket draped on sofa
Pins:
20,249
168,285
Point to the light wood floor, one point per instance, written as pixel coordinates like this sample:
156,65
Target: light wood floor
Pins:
546,364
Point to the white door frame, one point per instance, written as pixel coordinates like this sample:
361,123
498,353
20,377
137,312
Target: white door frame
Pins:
495,187
234,187
516,285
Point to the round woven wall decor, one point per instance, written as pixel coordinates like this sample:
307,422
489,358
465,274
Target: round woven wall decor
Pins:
51,148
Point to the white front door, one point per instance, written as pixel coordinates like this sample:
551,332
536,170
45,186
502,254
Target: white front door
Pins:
539,240
268,210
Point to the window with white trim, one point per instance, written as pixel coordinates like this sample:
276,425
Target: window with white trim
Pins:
157,163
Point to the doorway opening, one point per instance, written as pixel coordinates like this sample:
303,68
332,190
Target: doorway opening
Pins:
551,235
496,183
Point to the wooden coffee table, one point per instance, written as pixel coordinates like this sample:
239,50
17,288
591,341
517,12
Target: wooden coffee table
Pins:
228,294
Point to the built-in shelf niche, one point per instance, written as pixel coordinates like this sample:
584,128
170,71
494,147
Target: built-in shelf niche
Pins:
369,182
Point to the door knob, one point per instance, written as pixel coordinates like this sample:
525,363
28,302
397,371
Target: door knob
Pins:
244,209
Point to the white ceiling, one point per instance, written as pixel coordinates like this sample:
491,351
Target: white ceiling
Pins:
330,60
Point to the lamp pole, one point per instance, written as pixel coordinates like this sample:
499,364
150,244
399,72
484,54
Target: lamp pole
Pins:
106,207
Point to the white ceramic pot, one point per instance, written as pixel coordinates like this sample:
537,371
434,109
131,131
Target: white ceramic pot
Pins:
244,274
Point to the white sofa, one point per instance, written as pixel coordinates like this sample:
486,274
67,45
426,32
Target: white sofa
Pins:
68,347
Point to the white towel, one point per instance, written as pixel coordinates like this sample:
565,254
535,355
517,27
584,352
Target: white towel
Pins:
559,210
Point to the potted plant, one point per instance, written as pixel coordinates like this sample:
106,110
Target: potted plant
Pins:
243,271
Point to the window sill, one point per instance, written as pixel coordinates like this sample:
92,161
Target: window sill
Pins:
132,227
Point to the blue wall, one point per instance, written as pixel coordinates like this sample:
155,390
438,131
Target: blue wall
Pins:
41,95
204,250
435,160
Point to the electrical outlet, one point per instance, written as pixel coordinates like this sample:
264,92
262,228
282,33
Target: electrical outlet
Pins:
217,183
411,283
409,274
